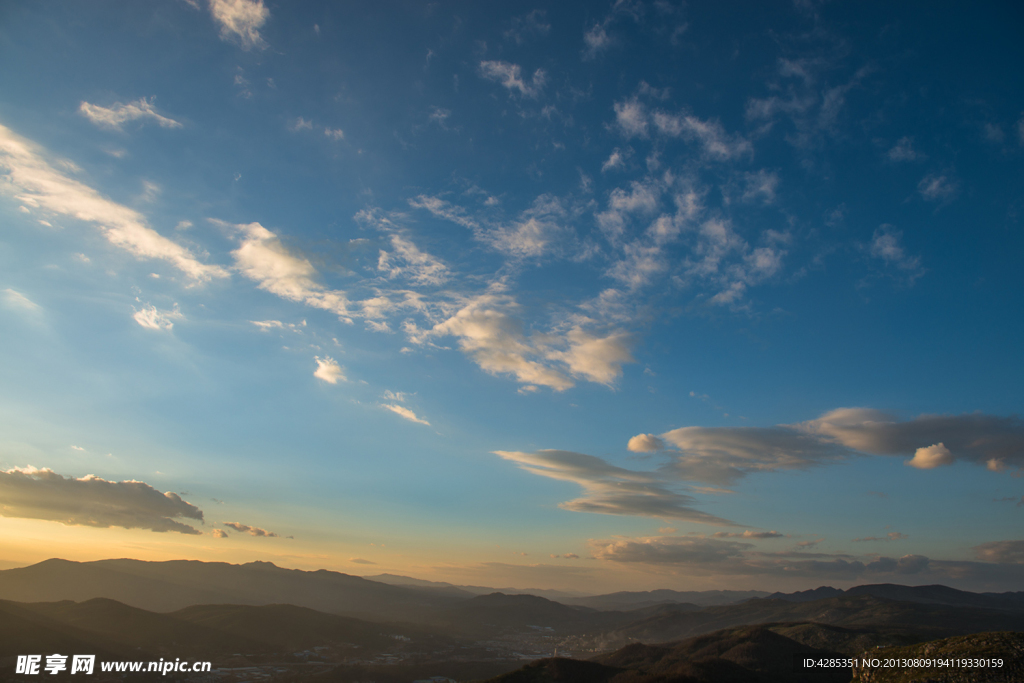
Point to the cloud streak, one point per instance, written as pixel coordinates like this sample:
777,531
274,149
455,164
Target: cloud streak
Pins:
611,490
722,455
699,556
118,114
32,180
33,493
404,413
251,530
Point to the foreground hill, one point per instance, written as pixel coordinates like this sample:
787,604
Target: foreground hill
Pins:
132,629
24,630
107,628
1006,646
745,654
922,621
757,654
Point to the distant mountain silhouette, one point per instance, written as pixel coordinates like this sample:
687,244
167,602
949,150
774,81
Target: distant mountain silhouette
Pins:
626,600
808,595
469,591
935,594
168,586
492,614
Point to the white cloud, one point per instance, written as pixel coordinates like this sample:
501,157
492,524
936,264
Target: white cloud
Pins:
641,199
328,370
645,443
266,325
240,20
596,39
762,184
445,210
33,181
399,396
611,490
904,150
616,160
404,412
935,187
118,114
219,533
931,457
631,117
262,257
300,124
885,244
510,76
153,318
488,332
334,133
709,134
32,493
526,237
440,116
641,263
597,359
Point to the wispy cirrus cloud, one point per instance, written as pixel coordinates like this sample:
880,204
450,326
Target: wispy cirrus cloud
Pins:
19,301
32,493
34,181
117,114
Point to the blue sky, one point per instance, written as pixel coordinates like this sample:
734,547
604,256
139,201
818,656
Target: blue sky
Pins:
590,296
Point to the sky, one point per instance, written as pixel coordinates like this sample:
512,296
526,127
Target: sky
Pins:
588,296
